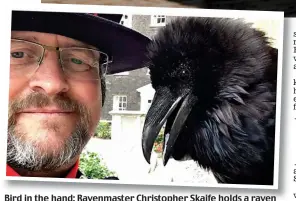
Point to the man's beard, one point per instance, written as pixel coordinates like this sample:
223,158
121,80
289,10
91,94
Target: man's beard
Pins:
25,153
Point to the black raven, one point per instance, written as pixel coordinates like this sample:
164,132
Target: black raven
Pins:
215,92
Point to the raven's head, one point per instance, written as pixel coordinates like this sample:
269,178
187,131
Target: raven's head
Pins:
201,69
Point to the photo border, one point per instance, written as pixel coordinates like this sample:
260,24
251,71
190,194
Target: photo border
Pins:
194,12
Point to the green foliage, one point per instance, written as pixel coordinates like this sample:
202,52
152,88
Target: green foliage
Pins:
92,166
103,130
158,144
160,136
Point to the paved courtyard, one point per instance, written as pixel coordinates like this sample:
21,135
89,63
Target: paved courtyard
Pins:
128,162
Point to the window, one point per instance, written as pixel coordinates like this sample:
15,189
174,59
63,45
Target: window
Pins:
158,20
126,20
149,104
119,102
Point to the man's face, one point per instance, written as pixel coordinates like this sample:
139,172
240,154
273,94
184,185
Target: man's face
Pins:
51,117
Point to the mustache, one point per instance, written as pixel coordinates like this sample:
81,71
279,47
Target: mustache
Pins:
40,100
25,154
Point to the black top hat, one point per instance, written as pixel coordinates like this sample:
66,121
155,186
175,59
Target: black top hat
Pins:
125,47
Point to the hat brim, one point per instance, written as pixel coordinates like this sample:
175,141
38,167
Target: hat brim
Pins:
126,47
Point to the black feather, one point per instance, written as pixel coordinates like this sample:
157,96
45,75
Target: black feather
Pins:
231,68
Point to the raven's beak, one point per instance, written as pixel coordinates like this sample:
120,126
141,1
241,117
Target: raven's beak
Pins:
162,107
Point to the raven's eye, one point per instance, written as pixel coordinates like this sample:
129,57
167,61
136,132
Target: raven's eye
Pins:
184,75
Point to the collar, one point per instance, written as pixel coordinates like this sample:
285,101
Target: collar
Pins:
72,174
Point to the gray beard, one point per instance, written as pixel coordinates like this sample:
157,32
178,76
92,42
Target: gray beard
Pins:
26,155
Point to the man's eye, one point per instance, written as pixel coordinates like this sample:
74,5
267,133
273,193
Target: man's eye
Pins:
76,61
17,54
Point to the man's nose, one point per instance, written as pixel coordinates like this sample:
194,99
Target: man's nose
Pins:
49,77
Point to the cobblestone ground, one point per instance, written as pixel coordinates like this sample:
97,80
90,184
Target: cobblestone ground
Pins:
154,3
182,172
129,164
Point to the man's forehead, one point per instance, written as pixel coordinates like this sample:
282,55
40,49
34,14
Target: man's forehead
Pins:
45,37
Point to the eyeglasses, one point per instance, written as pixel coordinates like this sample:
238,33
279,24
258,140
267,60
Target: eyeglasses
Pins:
77,62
